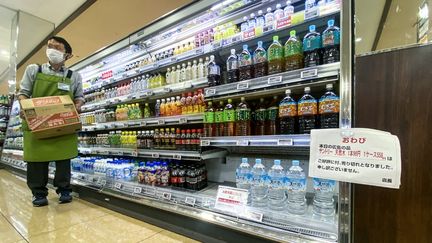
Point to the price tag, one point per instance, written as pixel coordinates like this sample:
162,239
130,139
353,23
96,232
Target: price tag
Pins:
205,143
134,154
125,75
112,80
130,97
103,182
253,216
166,196
199,51
190,201
155,65
118,185
275,80
167,89
137,71
309,73
104,152
177,156
284,22
174,59
217,45
137,190
210,92
143,123
311,13
242,142
151,191
285,142
242,85
155,155
120,153
149,93
183,120
161,122
90,179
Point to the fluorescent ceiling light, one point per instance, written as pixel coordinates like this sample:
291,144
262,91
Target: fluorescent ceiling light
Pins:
424,12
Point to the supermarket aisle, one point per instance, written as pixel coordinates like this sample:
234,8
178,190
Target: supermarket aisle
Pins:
79,221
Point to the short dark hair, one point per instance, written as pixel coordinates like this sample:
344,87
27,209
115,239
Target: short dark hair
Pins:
66,44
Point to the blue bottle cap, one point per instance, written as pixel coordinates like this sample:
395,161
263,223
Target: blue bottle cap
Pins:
277,162
312,28
260,43
244,160
330,23
295,163
245,47
258,161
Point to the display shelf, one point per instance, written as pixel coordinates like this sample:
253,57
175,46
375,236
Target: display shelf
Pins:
14,158
147,122
258,141
268,82
161,92
308,227
154,153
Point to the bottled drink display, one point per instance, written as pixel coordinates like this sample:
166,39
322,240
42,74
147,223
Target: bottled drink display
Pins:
243,175
312,48
232,67
330,43
243,117
329,109
260,118
307,112
213,72
272,122
229,118
209,120
275,56
245,64
259,188
323,202
260,61
293,52
296,188
288,114
276,192
220,120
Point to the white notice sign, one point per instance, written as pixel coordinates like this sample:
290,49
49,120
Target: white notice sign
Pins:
231,199
357,155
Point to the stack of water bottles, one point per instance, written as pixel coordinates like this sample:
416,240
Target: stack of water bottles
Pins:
113,168
281,190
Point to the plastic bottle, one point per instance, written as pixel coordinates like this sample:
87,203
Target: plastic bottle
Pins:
201,68
189,71
162,108
288,114
272,117
178,106
311,48
173,75
195,103
189,103
147,112
213,77
323,202
201,101
329,109
309,4
245,64
260,61
259,185
229,119
194,69
243,119
289,9
183,75
276,194
293,52
296,188
330,43
232,68
279,12
275,56
178,74
206,66
183,104
167,76
260,118
244,26
157,108
269,17
219,120
307,112
243,175
252,21
260,19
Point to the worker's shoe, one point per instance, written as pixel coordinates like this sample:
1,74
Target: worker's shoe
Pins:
39,201
65,197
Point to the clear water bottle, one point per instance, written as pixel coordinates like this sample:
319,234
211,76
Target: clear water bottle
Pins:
323,203
296,187
259,186
243,175
276,193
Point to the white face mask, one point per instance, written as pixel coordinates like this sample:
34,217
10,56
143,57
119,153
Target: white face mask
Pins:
55,56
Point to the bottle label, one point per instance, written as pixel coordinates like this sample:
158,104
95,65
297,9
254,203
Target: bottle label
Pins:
324,185
293,48
260,114
209,117
229,116
288,109
276,183
214,70
329,105
219,116
232,65
245,60
243,114
275,53
330,38
272,113
312,43
295,184
307,107
260,56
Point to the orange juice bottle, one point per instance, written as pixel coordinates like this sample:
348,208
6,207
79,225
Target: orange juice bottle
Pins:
178,105
162,108
168,107
189,103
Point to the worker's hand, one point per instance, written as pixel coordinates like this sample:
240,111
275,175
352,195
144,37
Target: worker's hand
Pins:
78,105
22,114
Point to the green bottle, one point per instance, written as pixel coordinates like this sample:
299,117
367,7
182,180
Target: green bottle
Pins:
293,52
275,56
229,119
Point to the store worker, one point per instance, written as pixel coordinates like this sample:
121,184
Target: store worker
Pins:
51,79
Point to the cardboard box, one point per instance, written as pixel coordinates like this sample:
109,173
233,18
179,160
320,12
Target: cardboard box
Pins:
51,116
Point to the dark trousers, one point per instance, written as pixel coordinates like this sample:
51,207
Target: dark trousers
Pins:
37,177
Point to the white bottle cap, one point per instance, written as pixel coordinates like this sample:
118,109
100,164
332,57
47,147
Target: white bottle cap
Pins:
288,91
233,51
307,89
329,86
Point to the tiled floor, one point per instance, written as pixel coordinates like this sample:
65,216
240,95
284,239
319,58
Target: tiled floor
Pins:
78,221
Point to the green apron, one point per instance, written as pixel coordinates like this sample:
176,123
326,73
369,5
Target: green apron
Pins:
49,149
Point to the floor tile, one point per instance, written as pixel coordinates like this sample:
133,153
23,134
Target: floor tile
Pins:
7,232
168,237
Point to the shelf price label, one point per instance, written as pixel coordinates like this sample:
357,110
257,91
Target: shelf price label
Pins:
183,120
258,217
177,157
151,191
174,59
166,196
242,142
190,201
284,22
166,89
137,190
243,86
120,153
199,51
134,153
149,93
311,13
102,182
205,143
274,80
285,142
309,73
210,92
155,155
118,185
161,122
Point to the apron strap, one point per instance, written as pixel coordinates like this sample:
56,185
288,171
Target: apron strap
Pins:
40,68
69,74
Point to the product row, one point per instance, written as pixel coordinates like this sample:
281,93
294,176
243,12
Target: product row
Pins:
192,176
14,143
285,116
280,189
163,138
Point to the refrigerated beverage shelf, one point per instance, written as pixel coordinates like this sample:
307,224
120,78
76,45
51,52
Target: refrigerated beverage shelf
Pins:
155,153
276,225
156,93
13,158
146,122
272,81
300,140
